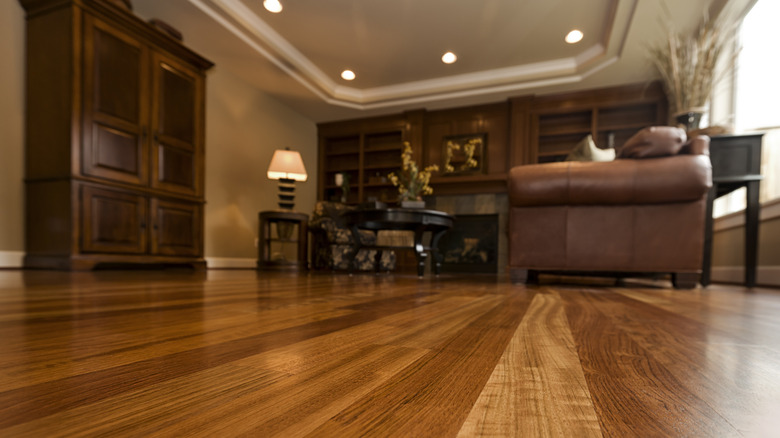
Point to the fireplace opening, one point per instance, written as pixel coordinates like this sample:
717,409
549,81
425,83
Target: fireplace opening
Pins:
471,245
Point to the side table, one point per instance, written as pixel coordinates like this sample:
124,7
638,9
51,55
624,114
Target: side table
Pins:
280,235
736,162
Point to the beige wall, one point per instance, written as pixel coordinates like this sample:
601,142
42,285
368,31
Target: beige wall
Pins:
728,245
11,130
243,127
728,253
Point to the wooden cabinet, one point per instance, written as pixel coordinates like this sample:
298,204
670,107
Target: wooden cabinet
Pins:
115,139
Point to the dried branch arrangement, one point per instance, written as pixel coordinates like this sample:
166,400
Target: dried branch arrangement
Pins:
688,64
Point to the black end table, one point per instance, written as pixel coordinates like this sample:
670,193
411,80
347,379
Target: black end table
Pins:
736,162
282,219
409,219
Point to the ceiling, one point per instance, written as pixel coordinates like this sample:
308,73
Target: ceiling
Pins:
504,47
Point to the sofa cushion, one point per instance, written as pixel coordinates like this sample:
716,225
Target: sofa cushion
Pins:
655,141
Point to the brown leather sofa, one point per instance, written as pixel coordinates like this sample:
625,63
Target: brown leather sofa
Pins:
639,214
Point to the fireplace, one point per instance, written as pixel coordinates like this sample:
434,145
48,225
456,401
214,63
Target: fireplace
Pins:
471,245
469,210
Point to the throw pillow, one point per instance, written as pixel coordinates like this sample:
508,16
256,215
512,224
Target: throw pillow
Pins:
586,150
655,141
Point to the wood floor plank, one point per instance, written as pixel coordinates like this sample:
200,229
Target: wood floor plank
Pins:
633,392
442,385
538,387
27,403
223,400
422,328
733,377
246,353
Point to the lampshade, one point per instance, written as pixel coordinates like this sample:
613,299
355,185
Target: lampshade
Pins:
287,164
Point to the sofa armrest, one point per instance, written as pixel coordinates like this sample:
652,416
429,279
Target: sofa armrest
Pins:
678,178
698,145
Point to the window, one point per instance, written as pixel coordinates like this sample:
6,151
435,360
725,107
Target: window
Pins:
757,92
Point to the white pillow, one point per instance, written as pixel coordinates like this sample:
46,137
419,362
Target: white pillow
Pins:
586,150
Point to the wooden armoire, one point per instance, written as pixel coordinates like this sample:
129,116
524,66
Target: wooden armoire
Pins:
114,139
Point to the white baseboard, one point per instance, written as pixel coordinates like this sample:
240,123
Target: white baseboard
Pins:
230,263
765,275
11,259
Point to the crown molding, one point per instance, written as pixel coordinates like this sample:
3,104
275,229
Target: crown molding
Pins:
245,24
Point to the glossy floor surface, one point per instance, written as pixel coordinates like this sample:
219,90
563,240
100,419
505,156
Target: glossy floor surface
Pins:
231,353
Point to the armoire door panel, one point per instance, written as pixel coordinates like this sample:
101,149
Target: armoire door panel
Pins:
177,103
117,77
176,168
176,228
112,221
177,123
115,155
115,105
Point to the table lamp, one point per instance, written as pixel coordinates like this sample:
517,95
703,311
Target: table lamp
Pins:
287,166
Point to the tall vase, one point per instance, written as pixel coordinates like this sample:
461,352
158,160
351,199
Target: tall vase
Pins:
689,120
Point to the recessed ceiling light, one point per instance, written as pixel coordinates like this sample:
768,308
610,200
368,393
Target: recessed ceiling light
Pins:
272,6
573,37
348,75
449,58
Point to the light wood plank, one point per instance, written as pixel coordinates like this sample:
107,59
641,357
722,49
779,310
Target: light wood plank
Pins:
538,387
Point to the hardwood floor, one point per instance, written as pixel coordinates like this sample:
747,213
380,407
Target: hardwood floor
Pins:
228,353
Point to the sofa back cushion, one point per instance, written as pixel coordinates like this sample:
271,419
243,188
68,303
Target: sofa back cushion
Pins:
655,141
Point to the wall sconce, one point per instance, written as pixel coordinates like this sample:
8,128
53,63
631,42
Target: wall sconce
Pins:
287,166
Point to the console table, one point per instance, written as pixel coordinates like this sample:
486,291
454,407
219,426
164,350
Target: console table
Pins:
410,219
736,162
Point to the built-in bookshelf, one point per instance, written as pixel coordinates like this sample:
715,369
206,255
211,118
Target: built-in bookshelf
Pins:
610,115
523,130
367,151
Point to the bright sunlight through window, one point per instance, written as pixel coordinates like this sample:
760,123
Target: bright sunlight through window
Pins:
757,93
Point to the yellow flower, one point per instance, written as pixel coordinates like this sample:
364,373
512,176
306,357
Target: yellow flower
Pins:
411,182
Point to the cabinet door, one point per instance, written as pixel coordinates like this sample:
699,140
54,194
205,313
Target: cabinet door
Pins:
177,125
112,221
115,104
176,228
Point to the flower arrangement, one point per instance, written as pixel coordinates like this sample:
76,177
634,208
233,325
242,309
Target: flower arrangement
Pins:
688,64
412,183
